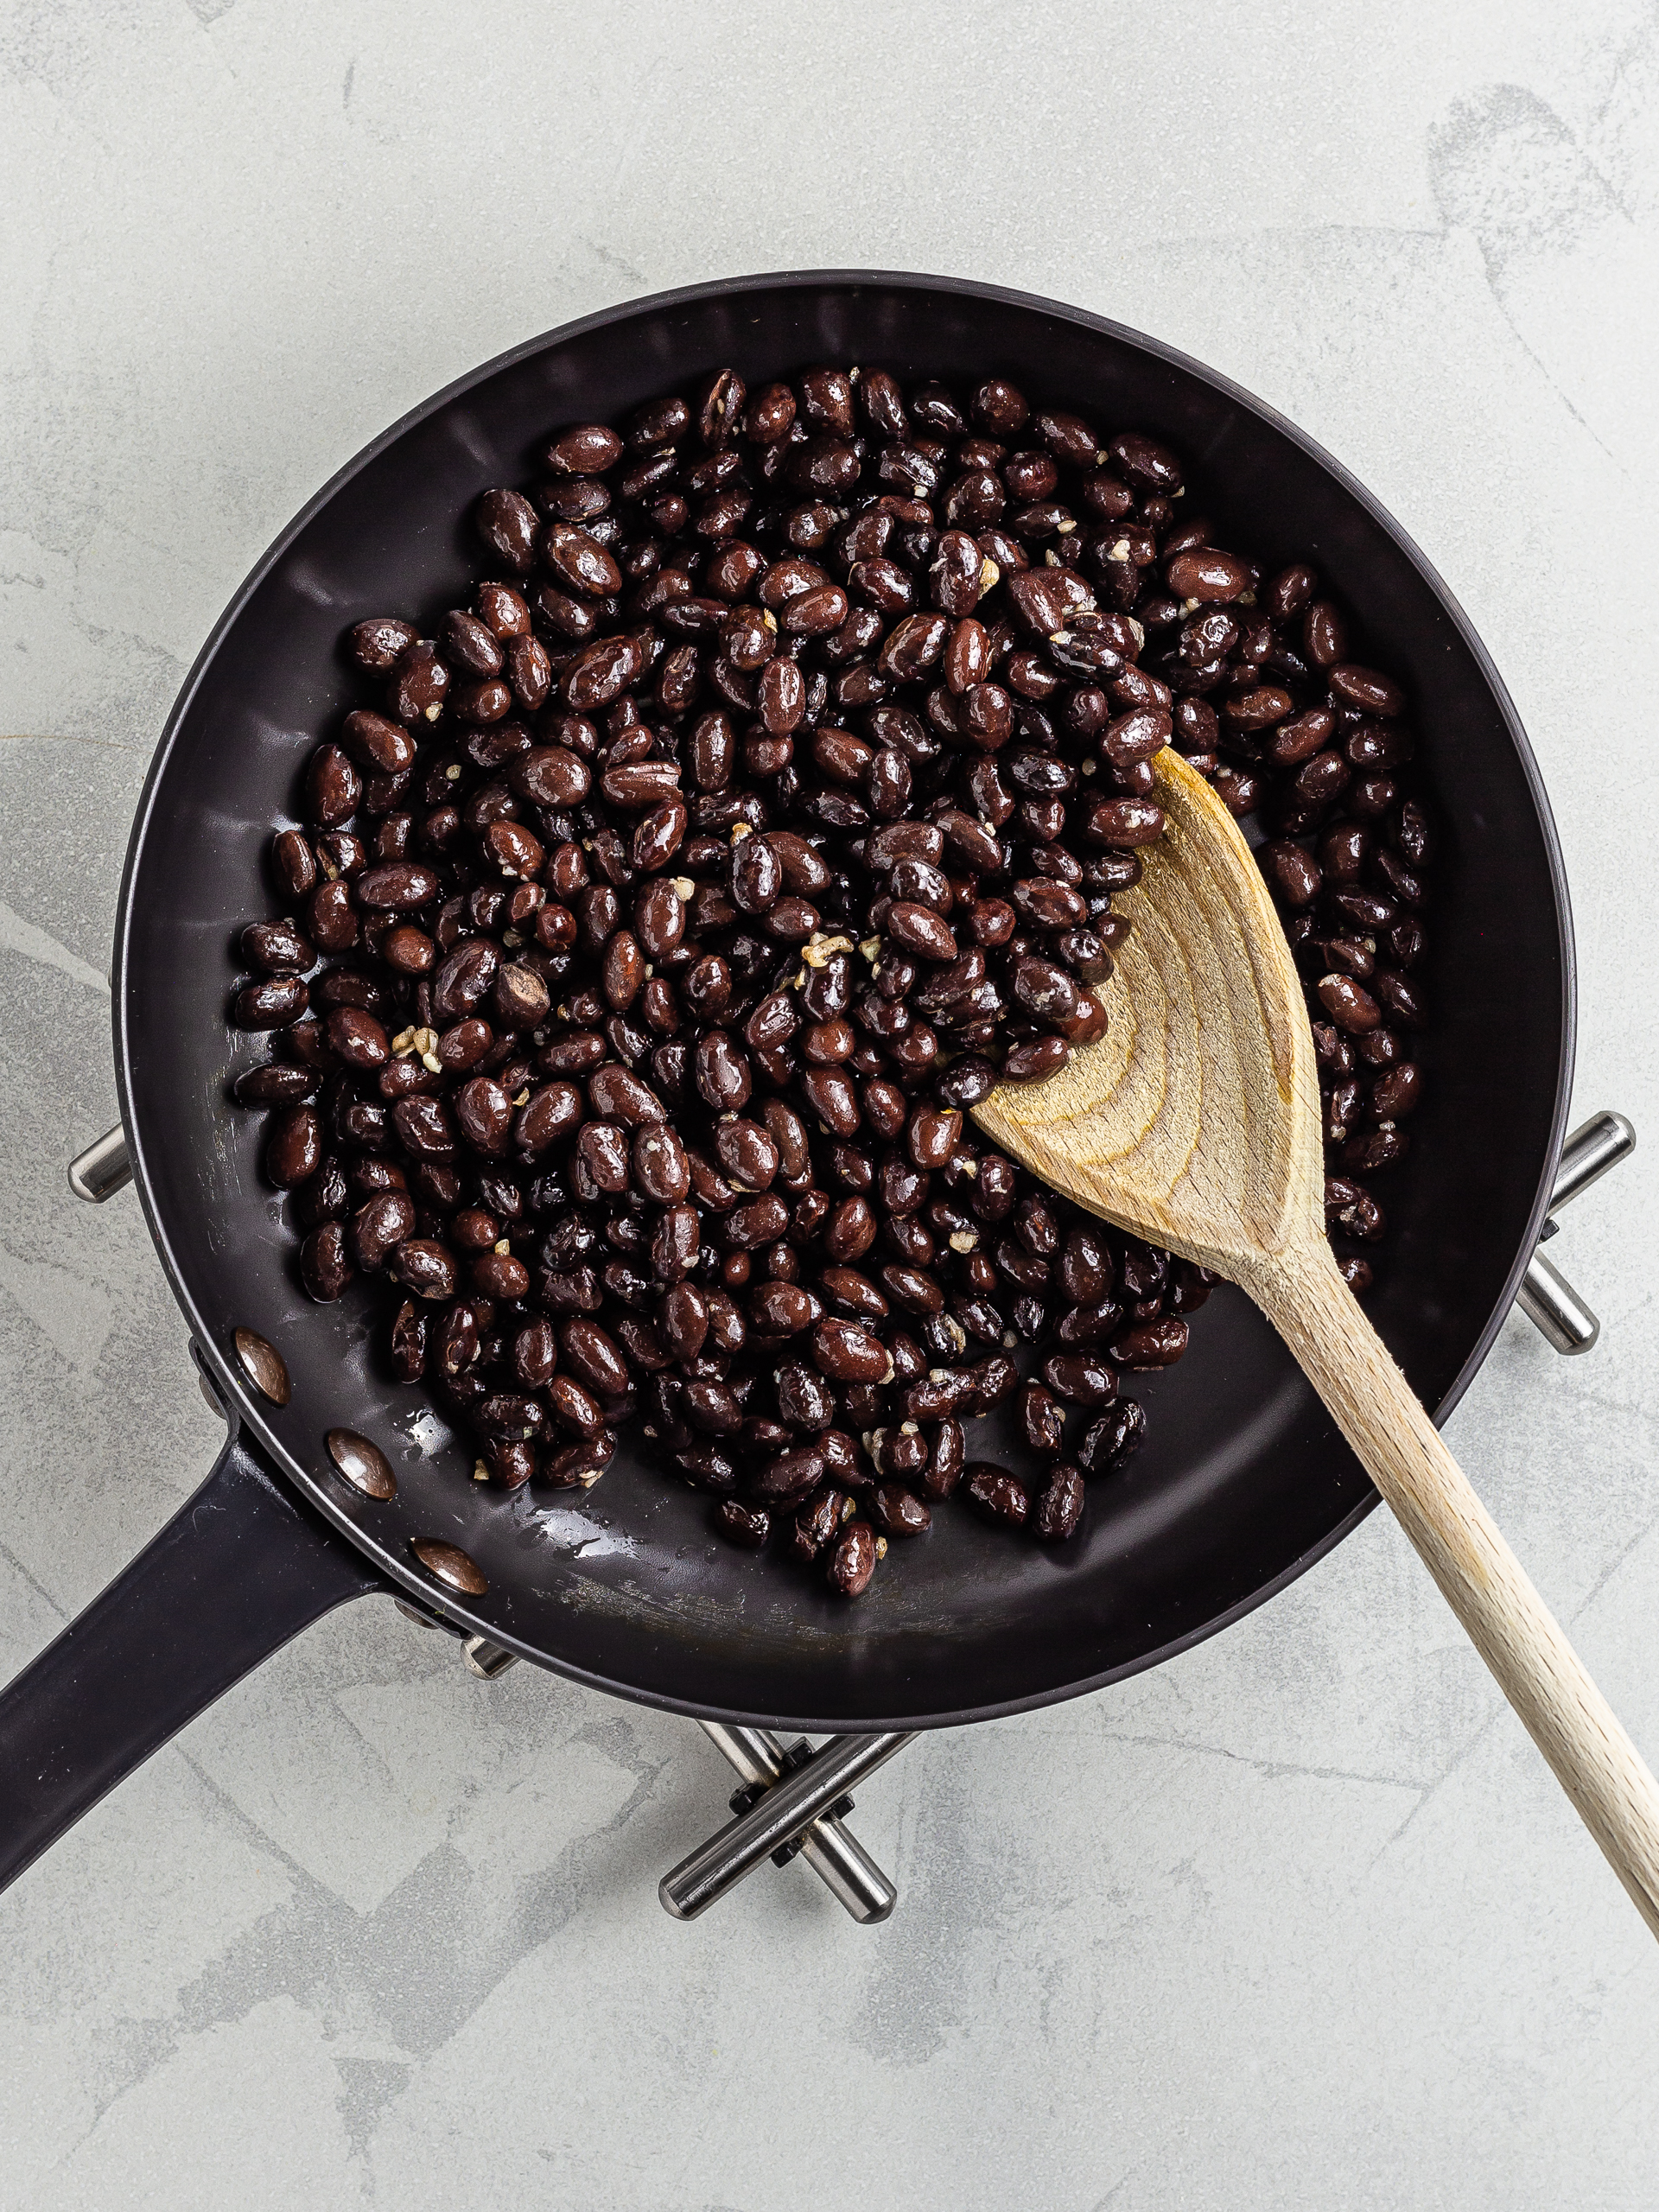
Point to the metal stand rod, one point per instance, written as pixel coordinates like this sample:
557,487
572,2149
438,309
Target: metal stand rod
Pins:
102,1169
1593,1148
1554,1308
1546,1297
791,1805
829,1848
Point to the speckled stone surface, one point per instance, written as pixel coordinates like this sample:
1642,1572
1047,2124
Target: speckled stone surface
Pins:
1299,1921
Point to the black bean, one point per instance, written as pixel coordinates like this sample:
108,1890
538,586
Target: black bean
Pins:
1042,1419
275,1084
377,645
748,1526
1107,1442
816,1523
1041,1056
614,1091
579,560
847,1353
998,1493
294,864
324,1267
1401,997
274,1004
573,1405
788,1474
408,1342
852,1562
379,1227
805,1400
506,523
1397,1093
723,1079
277,949
1353,1009
897,1511
293,1148
1059,1503
1082,1378
918,929
757,875
423,1266
357,1038
1124,823
588,449
1151,1344
674,1246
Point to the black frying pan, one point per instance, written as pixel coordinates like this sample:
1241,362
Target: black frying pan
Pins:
1244,1481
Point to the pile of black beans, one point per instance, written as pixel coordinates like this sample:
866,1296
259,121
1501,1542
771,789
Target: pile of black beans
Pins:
652,925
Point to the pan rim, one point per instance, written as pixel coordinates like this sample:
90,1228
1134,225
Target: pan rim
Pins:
401,1575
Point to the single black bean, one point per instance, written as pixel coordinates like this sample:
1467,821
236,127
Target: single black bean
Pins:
276,1083
853,1561
423,1266
897,1511
1107,1442
999,1494
1042,1419
357,1038
1353,1010
324,1268
1059,1503
748,1525
1151,1344
293,1148
277,949
379,1227
274,1004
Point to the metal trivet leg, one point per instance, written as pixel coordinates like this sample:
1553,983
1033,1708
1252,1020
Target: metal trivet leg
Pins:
1546,1298
825,1843
795,1801
102,1169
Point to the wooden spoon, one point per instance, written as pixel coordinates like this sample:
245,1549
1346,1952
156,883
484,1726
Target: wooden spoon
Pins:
1194,1123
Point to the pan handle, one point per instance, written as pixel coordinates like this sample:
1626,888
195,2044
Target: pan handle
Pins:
240,1568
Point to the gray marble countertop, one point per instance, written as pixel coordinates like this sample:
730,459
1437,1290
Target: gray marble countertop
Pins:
1298,1921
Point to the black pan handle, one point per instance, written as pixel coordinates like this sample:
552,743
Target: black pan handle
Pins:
238,1570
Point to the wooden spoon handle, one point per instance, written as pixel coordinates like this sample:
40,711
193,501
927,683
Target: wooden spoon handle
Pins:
1480,1578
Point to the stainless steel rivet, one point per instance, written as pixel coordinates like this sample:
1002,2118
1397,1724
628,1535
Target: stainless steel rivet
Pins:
365,1466
265,1366
448,1564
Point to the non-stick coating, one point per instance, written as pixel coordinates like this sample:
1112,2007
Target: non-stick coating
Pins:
1244,1480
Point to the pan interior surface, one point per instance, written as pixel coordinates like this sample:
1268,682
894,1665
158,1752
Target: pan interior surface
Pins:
1243,1480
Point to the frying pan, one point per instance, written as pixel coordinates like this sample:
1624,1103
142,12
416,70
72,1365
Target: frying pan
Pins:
1243,1483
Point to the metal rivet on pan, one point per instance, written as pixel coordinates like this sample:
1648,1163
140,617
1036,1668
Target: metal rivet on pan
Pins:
263,1366
445,1563
365,1466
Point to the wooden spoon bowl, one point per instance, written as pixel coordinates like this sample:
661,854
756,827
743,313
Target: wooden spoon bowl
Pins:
1195,1120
